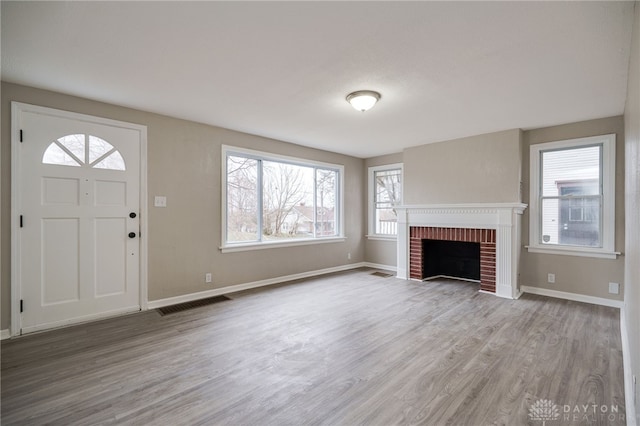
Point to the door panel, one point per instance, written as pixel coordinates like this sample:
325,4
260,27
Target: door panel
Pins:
110,193
57,191
111,256
60,260
79,181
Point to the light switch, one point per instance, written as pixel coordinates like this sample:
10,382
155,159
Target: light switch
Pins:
160,201
614,288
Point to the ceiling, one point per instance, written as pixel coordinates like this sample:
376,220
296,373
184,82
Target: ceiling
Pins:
283,69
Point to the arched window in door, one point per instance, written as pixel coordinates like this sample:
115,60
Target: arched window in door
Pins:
82,150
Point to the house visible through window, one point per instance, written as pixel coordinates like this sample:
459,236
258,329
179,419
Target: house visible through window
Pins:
573,195
385,188
271,199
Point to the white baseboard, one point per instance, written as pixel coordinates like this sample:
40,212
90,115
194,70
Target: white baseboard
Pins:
572,296
626,367
379,266
154,304
5,334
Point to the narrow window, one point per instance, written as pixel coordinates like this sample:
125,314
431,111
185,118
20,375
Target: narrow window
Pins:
573,196
385,193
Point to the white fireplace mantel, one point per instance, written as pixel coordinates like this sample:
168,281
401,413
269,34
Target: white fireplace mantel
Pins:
505,218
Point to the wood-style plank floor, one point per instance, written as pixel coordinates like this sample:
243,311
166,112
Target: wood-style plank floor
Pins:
342,349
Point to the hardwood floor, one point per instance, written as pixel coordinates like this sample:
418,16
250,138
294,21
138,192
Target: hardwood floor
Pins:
342,349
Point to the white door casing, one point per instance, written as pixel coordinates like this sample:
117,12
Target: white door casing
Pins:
76,180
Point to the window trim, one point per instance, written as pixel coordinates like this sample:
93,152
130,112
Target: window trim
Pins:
371,228
608,183
227,247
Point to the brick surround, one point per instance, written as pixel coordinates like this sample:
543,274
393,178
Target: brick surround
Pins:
486,238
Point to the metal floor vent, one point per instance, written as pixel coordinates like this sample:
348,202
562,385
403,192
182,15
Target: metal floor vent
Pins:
190,305
382,274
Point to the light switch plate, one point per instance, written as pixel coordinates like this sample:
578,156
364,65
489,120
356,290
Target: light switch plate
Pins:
160,201
614,288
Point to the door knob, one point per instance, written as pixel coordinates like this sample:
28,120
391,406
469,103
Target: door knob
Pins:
132,234
132,215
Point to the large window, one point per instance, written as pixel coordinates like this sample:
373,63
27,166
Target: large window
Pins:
275,199
385,193
573,197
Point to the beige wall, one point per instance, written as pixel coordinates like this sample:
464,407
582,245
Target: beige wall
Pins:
184,165
477,169
632,185
380,252
581,275
489,169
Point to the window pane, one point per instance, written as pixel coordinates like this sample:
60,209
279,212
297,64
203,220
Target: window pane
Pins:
386,220
75,145
388,186
56,155
326,181
287,201
97,148
571,172
571,221
573,176
113,161
242,199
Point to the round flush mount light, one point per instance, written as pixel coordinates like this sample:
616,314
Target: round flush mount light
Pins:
363,100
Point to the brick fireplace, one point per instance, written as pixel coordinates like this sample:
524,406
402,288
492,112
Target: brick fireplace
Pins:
496,227
485,237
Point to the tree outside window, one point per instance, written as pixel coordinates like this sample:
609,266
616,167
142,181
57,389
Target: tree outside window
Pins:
270,200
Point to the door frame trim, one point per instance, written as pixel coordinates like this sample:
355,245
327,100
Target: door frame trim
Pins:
17,108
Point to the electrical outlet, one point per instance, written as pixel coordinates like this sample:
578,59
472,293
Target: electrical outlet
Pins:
160,201
207,277
551,278
348,256
614,288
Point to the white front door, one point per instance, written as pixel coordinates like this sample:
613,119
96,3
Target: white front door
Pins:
79,214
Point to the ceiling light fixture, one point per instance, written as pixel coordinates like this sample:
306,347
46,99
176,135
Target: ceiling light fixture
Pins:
363,100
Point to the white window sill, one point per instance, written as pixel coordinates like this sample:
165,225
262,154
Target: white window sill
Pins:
574,251
230,248
382,237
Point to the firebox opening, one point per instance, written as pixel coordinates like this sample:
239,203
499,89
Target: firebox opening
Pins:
454,259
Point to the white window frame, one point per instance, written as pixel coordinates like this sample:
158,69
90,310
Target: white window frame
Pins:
371,232
608,172
227,247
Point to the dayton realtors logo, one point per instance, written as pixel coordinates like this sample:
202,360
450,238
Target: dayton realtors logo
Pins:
545,410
